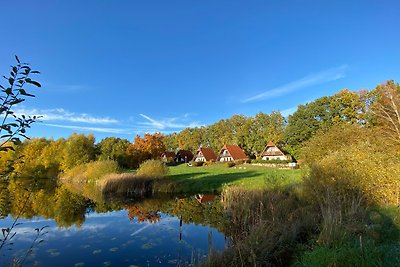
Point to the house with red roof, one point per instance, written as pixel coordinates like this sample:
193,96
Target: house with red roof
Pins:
272,152
205,154
231,153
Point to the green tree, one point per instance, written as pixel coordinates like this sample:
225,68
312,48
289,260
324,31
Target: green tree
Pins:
345,107
191,138
79,149
113,148
171,142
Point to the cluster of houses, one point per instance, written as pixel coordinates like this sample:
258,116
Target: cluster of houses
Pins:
226,153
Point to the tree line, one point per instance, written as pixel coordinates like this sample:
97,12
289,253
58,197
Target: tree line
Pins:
377,109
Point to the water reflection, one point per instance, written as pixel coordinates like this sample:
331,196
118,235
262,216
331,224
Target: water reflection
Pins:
87,230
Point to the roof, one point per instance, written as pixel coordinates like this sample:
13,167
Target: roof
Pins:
168,154
208,153
276,152
235,152
185,153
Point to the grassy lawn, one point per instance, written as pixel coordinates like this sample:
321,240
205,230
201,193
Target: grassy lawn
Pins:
213,178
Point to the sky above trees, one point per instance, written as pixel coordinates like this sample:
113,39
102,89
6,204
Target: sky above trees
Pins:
121,68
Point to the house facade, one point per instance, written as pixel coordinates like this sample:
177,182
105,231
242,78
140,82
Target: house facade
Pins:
205,154
231,153
272,152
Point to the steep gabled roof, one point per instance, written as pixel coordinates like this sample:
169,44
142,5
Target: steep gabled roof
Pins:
185,153
235,152
275,152
208,153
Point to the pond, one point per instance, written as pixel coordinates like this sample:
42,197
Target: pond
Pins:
59,226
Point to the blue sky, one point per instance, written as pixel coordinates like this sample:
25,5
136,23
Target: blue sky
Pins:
121,68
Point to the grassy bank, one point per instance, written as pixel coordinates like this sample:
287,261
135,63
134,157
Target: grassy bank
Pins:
206,179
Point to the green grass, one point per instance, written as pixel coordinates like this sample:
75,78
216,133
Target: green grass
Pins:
213,178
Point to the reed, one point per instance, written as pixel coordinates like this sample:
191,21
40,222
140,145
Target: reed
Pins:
127,184
265,227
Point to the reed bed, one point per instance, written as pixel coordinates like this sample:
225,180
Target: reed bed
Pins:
265,227
128,184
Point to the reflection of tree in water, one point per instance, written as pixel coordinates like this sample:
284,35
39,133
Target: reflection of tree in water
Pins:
5,203
143,215
42,199
69,208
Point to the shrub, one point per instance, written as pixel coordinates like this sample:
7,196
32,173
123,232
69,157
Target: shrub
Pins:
230,164
345,182
91,172
273,161
152,168
198,163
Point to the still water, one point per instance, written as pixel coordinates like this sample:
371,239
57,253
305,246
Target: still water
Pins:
59,227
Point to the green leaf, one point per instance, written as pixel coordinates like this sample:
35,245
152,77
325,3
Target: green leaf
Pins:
23,92
8,91
17,59
11,81
15,69
35,71
33,82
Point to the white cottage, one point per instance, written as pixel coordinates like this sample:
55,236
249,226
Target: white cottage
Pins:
272,152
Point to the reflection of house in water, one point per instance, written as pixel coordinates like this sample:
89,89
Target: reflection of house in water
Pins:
204,198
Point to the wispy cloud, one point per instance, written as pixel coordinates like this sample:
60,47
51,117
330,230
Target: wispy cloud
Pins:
169,123
310,80
60,114
92,129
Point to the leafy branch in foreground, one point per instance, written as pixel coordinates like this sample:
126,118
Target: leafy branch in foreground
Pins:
13,126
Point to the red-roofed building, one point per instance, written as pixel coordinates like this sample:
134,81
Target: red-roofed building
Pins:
272,152
231,153
205,154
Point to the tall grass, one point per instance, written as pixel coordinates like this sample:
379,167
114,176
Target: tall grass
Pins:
137,185
90,172
126,184
265,227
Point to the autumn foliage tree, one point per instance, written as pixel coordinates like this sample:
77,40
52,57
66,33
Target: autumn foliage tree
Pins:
150,146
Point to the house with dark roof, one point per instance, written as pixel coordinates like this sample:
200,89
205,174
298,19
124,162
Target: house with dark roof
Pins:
183,156
272,152
168,156
205,154
231,153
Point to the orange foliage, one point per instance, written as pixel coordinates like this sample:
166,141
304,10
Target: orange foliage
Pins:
149,147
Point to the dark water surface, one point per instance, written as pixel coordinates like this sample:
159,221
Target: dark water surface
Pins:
69,228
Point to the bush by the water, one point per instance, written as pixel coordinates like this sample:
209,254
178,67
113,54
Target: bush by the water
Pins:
152,168
91,172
